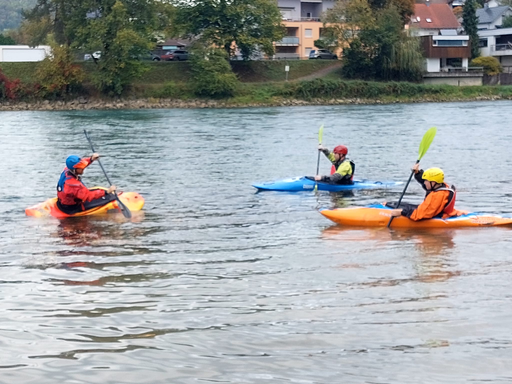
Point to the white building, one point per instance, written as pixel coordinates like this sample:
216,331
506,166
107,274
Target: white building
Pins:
23,53
494,40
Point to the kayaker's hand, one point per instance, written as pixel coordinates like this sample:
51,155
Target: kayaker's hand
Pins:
111,189
396,212
318,178
321,147
416,168
95,156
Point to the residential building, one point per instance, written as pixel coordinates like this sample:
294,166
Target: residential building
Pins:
491,15
494,40
302,19
443,47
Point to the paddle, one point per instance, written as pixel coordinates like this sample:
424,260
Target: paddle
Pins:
320,134
124,209
428,137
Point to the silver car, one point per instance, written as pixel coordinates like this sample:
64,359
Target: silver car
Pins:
322,54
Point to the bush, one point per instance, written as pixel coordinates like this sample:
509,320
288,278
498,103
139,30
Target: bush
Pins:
491,65
8,88
211,73
57,74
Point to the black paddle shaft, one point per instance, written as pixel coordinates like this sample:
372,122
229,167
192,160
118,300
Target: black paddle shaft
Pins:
318,163
403,193
124,209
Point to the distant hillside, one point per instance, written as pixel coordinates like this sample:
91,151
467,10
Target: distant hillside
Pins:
10,12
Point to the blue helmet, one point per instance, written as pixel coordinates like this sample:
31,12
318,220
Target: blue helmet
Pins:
71,161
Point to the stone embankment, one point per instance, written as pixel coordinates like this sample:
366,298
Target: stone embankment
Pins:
83,103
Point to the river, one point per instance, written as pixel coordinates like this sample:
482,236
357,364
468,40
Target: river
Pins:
217,283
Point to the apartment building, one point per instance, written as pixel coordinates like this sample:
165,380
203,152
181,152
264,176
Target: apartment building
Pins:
302,19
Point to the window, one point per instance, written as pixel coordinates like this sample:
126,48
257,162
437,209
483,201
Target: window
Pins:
482,43
428,20
308,33
308,51
450,43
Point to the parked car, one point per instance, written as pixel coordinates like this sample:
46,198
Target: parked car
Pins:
96,55
322,54
176,55
149,56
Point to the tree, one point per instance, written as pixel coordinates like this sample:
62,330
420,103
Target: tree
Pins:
120,29
212,75
470,25
249,25
383,51
6,40
507,22
57,74
343,21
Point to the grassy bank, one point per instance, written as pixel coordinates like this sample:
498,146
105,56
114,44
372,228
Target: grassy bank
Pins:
331,91
158,73
260,85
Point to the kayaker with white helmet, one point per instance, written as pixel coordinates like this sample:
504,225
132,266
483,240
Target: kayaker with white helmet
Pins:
439,199
342,170
73,195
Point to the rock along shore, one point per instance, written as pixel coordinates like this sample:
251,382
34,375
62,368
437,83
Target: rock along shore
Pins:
83,103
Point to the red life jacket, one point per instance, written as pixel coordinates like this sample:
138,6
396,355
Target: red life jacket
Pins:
449,208
71,191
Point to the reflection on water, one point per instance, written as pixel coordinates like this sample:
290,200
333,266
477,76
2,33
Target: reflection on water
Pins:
434,247
216,283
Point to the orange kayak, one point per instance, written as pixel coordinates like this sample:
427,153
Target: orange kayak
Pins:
378,215
132,200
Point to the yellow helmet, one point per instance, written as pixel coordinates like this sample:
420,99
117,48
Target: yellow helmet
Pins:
434,174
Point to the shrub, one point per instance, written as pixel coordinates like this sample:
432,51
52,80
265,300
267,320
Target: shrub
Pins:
8,88
212,75
491,65
57,74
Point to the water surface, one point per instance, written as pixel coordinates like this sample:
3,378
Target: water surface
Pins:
217,283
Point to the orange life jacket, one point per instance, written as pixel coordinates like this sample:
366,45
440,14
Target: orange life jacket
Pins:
439,202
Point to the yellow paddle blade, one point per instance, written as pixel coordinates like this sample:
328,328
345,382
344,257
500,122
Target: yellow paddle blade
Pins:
428,137
320,134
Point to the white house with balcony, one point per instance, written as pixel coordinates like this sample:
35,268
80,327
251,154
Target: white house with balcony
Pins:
494,40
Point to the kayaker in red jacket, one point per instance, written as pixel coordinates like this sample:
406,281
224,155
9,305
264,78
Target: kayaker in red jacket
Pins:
73,195
439,200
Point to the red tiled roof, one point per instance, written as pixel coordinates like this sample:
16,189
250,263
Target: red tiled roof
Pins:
441,16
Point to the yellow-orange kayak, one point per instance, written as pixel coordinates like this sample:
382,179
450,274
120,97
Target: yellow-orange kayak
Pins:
378,215
132,200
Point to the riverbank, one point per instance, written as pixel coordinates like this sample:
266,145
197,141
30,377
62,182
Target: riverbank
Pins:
317,83
151,103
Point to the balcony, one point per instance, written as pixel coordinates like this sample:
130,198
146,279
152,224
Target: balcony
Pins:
501,49
289,41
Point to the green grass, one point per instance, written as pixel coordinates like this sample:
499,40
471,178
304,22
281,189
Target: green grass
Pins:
271,71
23,71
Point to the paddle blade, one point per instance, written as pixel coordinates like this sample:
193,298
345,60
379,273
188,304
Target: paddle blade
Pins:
124,209
428,137
320,134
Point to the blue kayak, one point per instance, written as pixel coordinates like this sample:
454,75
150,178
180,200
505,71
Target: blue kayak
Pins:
304,183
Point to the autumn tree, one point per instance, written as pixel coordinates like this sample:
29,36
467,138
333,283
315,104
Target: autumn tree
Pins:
249,25
121,29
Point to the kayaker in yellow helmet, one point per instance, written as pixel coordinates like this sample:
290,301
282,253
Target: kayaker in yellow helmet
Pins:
439,199
342,171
